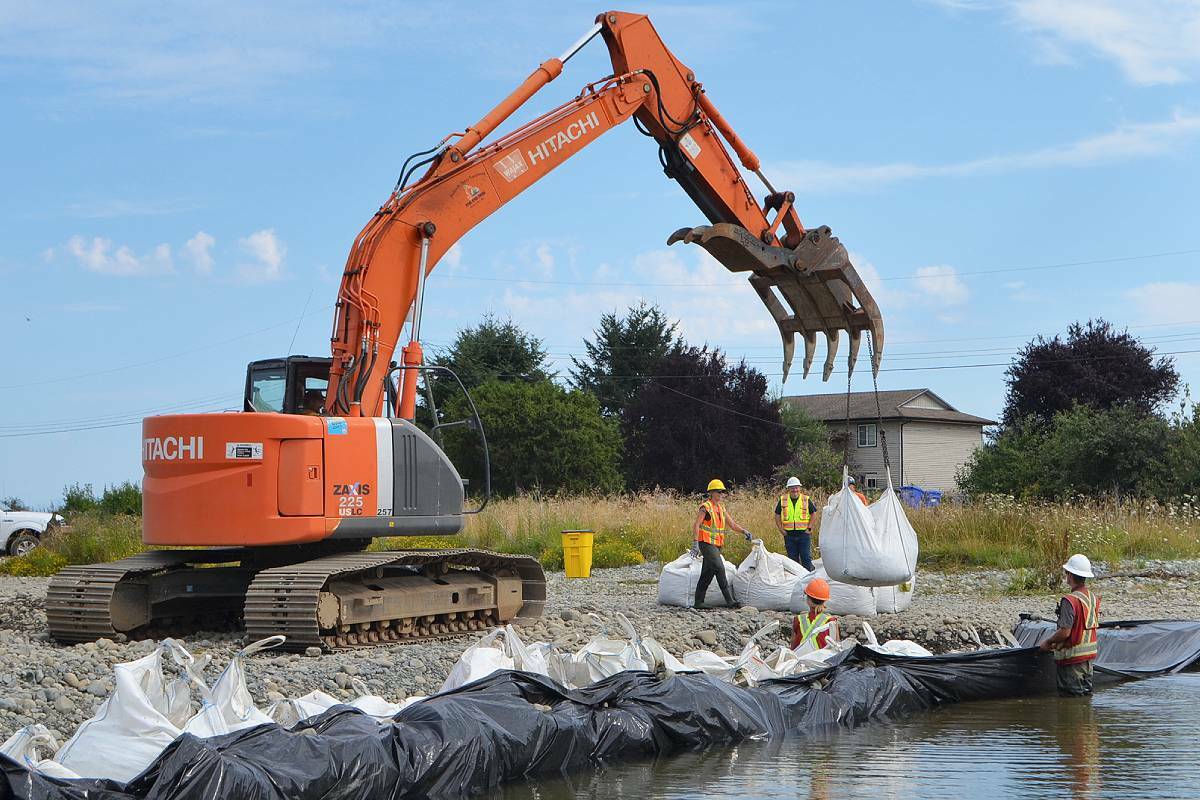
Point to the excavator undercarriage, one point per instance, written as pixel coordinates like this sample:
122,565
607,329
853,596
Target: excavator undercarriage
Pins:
314,596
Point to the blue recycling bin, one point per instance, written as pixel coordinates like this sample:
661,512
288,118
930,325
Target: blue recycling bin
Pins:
932,498
912,496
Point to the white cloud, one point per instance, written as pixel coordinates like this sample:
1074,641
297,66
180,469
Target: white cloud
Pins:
941,285
1152,41
452,259
198,250
545,259
268,253
1169,301
98,255
1127,141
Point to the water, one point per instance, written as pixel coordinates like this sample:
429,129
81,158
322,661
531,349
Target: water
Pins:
1133,740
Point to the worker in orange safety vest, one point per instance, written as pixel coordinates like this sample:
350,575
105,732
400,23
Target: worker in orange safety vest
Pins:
708,531
1074,643
804,626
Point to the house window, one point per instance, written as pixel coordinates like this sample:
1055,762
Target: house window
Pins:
867,435
871,480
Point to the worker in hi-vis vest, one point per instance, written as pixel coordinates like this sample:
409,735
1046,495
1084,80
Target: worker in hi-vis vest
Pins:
807,625
793,517
709,534
1074,643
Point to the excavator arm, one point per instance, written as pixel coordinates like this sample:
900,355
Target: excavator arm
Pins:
803,276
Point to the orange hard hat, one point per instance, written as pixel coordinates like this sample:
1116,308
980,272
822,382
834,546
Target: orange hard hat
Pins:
817,589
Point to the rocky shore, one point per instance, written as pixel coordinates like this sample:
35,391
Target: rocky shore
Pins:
61,687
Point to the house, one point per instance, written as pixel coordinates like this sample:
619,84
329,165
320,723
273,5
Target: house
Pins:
927,439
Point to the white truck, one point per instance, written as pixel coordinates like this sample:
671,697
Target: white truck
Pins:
21,531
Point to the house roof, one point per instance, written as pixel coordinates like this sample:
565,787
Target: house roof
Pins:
895,404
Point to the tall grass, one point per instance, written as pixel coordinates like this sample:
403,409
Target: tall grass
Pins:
998,532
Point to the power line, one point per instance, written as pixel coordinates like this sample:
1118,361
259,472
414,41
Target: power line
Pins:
77,375
913,277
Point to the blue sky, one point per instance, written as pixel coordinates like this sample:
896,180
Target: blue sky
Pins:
183,182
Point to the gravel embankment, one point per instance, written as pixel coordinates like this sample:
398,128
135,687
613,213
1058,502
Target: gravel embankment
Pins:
60,687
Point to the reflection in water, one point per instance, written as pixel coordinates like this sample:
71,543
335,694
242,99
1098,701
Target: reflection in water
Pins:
1131,740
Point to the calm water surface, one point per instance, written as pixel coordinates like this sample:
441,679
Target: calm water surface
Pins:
1133,740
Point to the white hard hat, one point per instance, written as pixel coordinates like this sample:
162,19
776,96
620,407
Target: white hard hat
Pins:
1079,565
793,481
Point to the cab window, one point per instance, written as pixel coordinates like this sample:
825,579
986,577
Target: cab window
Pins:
267,389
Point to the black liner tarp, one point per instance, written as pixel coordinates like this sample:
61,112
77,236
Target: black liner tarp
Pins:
1133,648
511,725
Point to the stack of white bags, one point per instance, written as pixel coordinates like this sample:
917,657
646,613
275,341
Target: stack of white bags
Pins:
869,560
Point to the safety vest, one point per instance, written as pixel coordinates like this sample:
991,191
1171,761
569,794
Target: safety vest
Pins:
1082,644
794,512
805,627
712,530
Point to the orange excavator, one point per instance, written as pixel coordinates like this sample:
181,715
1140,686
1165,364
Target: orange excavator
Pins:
279,503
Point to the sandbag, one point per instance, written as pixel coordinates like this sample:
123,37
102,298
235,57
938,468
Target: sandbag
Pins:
844,599
478,661
26,747
766,580
131,728
894,599
867,546
678,579
603,657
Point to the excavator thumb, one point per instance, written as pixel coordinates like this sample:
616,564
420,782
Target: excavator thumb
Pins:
823,291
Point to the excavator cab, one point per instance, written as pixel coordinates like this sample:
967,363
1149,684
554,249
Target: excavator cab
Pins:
292,385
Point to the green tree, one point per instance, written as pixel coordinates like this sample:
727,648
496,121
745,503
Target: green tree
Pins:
79,497
813,459
1095,365
699,418
1115,451
14,503
624,350
124,498
494,350
1013,462
540,437
1179,473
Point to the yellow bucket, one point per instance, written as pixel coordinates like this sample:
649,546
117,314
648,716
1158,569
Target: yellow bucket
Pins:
577,553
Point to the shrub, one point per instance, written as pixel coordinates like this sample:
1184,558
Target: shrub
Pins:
608,553
124,498
39,562
79,498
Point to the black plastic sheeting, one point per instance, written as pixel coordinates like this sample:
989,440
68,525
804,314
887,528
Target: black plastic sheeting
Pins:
1131,649
512,725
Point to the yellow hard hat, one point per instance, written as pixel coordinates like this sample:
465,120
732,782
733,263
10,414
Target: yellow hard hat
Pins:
715,485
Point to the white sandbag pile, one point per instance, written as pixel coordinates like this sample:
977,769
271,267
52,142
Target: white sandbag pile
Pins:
867,546
766,580
844,599
678,579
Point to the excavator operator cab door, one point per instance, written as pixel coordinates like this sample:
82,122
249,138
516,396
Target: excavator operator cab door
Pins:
292,385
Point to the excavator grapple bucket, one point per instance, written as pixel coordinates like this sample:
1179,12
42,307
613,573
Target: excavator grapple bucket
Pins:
822,291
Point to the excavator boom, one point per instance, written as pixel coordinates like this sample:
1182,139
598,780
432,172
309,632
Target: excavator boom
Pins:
802,275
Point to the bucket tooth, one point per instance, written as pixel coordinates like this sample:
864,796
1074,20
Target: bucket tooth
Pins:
810,350
831,338
820,286
855,344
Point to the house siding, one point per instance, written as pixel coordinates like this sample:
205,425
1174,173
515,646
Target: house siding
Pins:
924,401
864,460
934,452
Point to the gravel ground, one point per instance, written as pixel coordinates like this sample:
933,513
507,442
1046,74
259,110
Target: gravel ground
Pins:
62,686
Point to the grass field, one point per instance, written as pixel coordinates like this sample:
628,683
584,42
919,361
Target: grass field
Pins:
631,528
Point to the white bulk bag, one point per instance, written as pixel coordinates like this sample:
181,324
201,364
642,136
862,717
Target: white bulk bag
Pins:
26,747
230,694
677,582
896,647
864,546
130,728
766,580
844,599
478,661
602,657
894,599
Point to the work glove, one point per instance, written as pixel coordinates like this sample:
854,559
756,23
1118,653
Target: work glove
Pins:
748,535
695,551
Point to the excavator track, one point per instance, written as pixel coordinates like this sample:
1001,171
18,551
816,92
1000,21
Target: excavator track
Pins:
82,602
85,603
287,600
